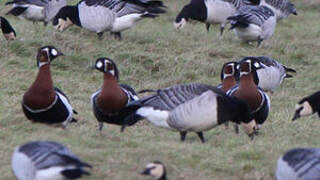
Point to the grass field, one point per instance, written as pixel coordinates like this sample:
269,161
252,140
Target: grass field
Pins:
155,55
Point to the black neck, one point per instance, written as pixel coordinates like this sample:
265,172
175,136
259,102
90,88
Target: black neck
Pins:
195,10
5,26
72,12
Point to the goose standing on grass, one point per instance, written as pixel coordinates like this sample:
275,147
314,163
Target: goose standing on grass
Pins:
43,102
155,169
307,106
36,10
254,23
299,164
190,107
46,160
8,32
282,8
270,73
210,12
248,91
110,101
107,15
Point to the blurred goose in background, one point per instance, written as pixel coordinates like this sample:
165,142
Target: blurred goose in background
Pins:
299,164
109,102
107,15
8,32
36,10
42,102
282,8
270,73
210,12
155,169
248,91
190,107
46,160
308,105
254,23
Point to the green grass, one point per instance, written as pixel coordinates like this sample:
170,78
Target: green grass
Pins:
154,55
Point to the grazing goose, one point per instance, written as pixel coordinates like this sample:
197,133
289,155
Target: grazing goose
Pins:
8,32
248,91
282,8
253,23
190,107
108,102
307,106
210,12
46,160
155,169
270,73
43,102
299,164
36,10
107,15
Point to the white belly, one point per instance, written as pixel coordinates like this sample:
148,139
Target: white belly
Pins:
251,33
125,22
52,173
218,11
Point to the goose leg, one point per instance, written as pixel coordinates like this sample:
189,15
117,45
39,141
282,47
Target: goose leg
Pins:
200,134
259,42
221,30
207,27
226,124
236,128
100,35
183,135
100,126
117,35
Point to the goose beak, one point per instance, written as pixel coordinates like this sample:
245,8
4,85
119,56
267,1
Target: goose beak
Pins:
296,116
60,54
295,13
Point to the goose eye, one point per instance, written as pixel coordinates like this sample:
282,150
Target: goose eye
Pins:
54,52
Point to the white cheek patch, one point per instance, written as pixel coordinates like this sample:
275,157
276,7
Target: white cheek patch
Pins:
256,64
54,52
307,109
112,72
157,171
180,24
99,65
297,106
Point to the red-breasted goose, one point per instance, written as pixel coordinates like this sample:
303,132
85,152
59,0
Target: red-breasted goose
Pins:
107,15
46,160
155,169
308,105
282,8
43,102
248,91
299,164
108,102
190,107
269,73
8,32
210,12
253,23
36,10
229,75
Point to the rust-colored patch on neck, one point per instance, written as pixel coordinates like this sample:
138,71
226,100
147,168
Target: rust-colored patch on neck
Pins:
248,91
228,83
111,98
43,56
41,93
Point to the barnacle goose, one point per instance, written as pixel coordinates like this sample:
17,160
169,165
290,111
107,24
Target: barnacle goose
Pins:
254,23
46,160
36,10
269,73
299,164
42,102
190,107
308,105
107,15
8,32
155,169
210,12
109,102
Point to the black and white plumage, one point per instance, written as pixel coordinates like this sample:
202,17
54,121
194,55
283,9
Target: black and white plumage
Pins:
269,73
299,164
107,15
42,102
36,10
8,32
155,169
189,107
210,12
46,160
308,105
254,23
282,8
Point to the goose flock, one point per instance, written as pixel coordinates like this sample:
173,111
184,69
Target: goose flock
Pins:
241,98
